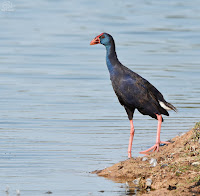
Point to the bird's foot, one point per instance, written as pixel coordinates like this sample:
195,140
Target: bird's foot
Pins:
153,148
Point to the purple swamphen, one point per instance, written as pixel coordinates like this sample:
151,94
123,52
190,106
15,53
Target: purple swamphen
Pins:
133,91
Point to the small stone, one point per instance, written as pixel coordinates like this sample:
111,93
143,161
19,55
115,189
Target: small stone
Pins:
148,182
163,166
195,164
192,148
144,159
153,162
171,188
172,154
127,185
136,181
120,167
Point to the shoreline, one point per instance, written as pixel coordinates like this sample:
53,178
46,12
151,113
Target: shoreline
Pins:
174,170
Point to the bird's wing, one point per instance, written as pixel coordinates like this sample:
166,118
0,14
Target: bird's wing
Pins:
145,87
159,97
133,91
153,90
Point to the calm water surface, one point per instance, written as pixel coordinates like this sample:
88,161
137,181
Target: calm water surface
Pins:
60,118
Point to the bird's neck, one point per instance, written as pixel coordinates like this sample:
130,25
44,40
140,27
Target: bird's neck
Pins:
111,57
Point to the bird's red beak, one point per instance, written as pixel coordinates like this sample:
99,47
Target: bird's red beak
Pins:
96,40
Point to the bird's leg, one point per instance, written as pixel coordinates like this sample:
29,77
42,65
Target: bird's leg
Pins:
130,139
158,142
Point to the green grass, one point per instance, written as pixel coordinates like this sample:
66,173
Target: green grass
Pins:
195,179
196,131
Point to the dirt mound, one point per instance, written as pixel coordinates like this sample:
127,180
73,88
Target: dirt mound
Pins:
174,170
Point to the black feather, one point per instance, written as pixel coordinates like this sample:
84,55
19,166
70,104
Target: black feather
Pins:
132,90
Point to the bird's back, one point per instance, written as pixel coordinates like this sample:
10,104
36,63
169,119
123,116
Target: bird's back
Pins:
133,91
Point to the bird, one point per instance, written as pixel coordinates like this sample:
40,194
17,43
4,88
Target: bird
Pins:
134,92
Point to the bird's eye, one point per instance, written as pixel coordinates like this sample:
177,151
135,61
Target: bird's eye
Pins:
102,36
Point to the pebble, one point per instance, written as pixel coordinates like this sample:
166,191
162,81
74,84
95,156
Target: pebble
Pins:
171,188
136,181
178,172
144,159
148,190
153,162
164,165
148,182
195,164
127,185
192,148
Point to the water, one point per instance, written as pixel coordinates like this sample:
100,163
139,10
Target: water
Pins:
60,118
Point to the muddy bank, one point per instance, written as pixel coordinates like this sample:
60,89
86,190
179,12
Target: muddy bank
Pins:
174,170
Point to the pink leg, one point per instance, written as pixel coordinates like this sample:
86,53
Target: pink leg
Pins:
130,139
158,142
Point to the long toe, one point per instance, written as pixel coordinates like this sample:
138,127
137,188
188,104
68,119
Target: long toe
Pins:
165,142
153,148
148,150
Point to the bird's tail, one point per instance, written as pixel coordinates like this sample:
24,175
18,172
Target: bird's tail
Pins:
167,106
171,106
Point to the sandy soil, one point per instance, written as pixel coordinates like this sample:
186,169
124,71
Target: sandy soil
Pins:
177,171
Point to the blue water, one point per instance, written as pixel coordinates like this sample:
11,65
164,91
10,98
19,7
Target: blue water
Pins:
59,117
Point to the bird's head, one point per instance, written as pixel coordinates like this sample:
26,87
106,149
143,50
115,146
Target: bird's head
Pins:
103,38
